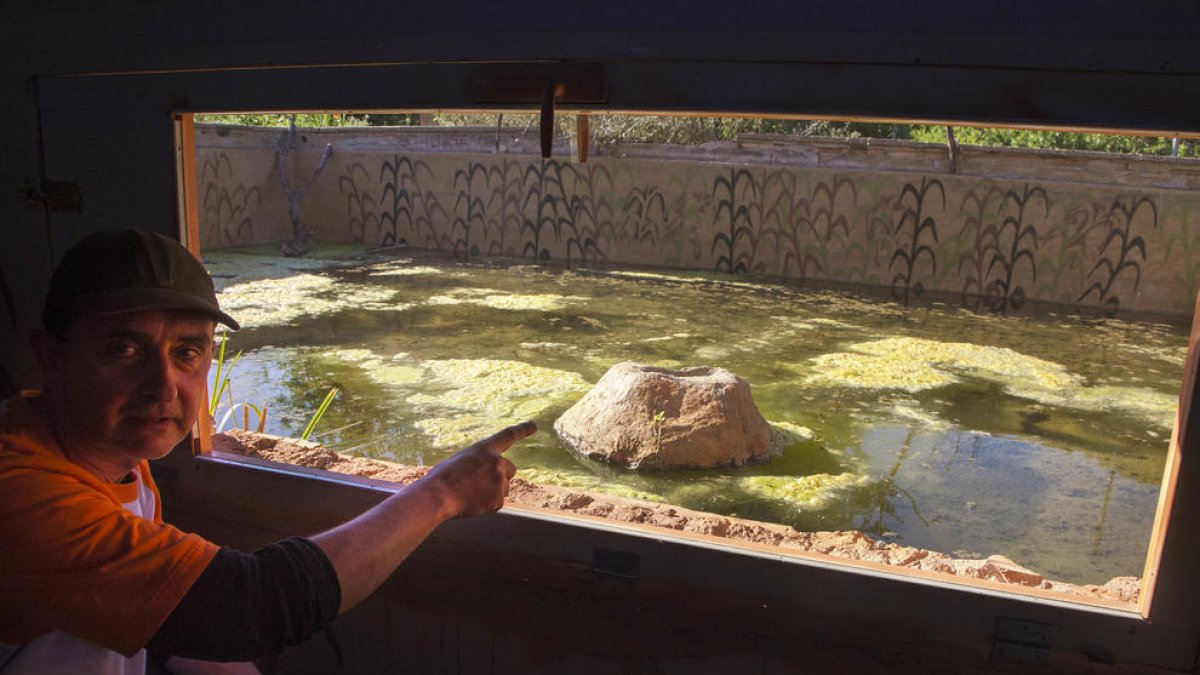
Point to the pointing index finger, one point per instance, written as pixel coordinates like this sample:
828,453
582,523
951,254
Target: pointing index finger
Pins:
505,438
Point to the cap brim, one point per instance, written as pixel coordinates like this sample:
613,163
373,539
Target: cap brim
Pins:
120,301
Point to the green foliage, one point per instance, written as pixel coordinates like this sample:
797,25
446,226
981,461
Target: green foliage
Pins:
611,130
312,424
221,378
658,420
312,120
1054,140
393,120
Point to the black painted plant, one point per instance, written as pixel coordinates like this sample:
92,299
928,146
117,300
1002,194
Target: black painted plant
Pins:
1064,268
588,211
973,257
915,216
503,206
1123,256
645,214
786,215
402,172
1003,292
222,210
544,181
740,223
473,211
360,204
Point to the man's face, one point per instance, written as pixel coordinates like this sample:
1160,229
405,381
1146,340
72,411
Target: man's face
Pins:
129,385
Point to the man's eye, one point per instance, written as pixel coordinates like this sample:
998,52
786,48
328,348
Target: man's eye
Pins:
188,354
121,349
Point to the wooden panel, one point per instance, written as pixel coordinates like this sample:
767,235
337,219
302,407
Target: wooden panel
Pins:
1167,104
131,35
189,235
538,564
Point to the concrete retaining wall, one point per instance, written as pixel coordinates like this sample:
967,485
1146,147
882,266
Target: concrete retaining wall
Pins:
992,226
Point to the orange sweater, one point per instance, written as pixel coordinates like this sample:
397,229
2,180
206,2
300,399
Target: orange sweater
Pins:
71,557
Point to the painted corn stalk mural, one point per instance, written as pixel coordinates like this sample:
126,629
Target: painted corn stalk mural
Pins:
226,204
989,242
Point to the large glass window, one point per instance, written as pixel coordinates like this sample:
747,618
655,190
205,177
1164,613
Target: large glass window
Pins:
963,348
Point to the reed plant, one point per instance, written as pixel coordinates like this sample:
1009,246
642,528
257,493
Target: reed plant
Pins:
221,378
312,423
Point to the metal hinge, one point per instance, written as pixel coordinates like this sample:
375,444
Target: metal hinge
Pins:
58,197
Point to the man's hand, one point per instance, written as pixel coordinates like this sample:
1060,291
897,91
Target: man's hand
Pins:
367,549
476,479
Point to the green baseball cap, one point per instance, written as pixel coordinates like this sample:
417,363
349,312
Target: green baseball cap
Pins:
117,272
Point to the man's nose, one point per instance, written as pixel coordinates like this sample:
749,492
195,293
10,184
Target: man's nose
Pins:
158,378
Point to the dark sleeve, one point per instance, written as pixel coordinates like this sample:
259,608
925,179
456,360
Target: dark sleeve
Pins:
247,605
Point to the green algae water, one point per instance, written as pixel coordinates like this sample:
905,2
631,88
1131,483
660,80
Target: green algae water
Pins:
1041,438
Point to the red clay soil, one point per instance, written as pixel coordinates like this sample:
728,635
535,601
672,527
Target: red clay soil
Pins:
852,545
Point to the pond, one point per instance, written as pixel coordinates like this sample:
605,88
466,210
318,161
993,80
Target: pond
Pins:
1039,437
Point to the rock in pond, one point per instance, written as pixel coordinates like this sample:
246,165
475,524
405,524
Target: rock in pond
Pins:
644,417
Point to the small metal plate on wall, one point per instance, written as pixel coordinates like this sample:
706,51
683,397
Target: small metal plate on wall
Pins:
616,564
1018,641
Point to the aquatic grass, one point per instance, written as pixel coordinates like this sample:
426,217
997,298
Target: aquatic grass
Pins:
312,423
221,378
246,407
222,387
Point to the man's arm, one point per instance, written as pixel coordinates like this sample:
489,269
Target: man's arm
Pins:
245,605
366,550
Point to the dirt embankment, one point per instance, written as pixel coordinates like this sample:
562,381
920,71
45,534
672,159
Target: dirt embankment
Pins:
850,545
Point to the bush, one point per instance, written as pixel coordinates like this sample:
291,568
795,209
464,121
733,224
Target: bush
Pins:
612,130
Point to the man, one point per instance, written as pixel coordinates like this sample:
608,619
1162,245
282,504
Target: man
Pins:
89,573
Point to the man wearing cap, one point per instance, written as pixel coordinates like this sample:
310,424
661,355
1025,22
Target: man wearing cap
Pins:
90,576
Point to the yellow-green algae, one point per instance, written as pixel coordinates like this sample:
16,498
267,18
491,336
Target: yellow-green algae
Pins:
486,297
460,430
784,434
281,301
916,364
585,481
485,395
497,388
228,268
405,271
815,323
804,492
545,346
690,278
396,370
667,338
